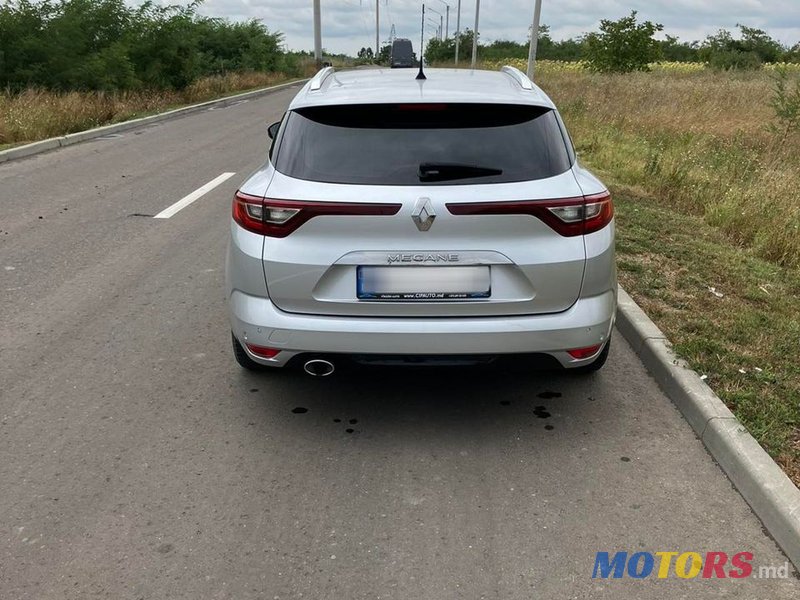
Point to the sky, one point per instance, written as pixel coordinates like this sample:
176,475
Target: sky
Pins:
348,25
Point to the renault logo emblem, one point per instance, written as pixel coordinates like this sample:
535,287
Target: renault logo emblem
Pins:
423,214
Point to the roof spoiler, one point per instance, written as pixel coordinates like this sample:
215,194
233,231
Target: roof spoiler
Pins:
519,77
319,78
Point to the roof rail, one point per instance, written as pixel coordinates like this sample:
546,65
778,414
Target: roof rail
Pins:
320,77
519,77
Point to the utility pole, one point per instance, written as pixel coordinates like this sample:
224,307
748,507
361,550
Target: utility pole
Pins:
441,21
421,75
475,34
317,36
447,20
458,29
537,13
435,26
377,28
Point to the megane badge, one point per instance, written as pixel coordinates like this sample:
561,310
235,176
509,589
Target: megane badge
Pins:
423,215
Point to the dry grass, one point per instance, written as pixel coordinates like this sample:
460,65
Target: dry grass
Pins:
701,102
699,141
39,114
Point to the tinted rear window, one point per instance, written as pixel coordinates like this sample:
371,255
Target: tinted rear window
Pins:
385,144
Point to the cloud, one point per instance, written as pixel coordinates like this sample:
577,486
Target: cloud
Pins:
347,25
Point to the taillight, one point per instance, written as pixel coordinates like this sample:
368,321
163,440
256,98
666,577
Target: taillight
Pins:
566,216
279,218
599,212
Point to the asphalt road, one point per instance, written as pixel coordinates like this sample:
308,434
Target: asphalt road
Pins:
137,461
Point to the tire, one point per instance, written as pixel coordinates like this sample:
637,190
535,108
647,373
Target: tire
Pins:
243,359
596,365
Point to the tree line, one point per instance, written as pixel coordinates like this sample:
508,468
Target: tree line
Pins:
628,45
108,45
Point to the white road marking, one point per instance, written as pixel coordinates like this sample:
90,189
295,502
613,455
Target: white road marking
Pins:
195,195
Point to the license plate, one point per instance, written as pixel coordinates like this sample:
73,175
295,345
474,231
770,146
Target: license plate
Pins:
423,283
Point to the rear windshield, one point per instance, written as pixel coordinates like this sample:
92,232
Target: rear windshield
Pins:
397,144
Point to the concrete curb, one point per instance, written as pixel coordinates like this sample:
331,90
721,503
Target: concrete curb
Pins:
762,483
89,134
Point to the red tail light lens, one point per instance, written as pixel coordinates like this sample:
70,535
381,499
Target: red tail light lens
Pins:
581,353
566,216
279,218
262,351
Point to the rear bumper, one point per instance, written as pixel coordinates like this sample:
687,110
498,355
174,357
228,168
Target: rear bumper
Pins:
258,321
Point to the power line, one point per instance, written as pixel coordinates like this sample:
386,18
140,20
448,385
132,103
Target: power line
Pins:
447,20
389,17
362,16
365,18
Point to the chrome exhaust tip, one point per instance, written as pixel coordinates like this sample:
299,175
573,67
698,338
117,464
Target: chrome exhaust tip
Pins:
318,367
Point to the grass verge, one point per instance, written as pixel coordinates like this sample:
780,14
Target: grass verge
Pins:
732,315
36,114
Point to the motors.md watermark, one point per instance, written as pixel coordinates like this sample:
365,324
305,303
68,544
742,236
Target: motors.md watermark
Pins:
684,565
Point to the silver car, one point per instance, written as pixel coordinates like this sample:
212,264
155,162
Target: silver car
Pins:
408,221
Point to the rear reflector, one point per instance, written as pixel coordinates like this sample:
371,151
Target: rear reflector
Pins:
262,351
581,353
279,218
569,217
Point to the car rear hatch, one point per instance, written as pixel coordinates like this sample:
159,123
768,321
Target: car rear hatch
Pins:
380,225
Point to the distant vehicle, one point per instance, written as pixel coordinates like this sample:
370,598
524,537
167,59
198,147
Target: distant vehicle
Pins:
399,223
402,54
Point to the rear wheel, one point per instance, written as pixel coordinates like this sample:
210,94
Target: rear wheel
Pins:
242,358
596,365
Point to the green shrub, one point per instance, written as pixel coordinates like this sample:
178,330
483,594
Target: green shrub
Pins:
734,60
753,48
786,104
623,46
108,45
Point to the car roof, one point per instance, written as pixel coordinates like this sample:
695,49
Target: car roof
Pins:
389,86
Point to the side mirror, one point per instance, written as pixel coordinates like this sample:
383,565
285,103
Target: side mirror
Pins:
272,130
